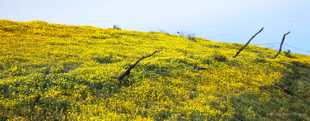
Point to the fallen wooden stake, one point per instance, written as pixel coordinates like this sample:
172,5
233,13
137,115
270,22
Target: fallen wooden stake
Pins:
242,48
281,45
126,73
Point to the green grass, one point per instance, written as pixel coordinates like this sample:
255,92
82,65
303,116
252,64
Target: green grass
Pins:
60,72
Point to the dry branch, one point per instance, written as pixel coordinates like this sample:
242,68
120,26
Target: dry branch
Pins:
281,45
127,72
243,47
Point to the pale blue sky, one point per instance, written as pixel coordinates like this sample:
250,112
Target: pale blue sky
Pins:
222,20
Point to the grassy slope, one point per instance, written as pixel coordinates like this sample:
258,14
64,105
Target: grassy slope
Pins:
73,70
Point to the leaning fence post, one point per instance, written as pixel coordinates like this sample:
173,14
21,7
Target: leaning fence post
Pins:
126,73
281,45
244,46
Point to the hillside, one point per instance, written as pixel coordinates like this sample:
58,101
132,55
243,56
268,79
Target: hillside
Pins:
61,72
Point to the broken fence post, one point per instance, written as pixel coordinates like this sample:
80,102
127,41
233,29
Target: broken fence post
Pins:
127,72
243,47
281,45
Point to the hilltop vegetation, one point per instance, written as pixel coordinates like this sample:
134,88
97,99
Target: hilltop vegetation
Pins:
59,72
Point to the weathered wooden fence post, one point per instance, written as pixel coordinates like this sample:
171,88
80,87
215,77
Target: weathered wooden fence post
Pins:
281,45
243,47
126,73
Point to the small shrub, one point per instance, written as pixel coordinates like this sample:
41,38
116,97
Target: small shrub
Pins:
288,54
260,60
213,46
70,66
5,90
104,59
100,36
191,37
164,71
220,58
188,36
117,27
